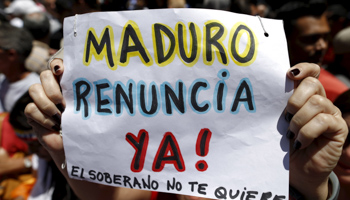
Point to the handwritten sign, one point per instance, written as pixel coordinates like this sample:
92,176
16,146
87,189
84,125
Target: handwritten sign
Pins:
185,101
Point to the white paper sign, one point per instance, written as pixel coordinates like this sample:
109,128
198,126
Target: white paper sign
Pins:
185,101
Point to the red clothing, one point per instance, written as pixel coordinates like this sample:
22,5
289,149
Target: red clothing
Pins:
9,141
333,86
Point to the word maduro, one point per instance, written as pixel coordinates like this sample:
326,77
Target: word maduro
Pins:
131,44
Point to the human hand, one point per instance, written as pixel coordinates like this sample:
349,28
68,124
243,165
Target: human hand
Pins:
44,114
317,133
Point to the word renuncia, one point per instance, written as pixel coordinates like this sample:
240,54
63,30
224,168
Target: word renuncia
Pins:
132,96
210,42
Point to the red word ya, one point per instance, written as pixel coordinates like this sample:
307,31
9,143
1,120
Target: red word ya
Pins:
168,151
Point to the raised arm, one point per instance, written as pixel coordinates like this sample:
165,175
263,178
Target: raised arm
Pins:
44,115
317,133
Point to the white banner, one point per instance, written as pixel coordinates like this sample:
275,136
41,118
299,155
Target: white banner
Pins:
186,101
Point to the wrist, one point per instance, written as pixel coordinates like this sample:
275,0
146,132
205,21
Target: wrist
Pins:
309,189
329,190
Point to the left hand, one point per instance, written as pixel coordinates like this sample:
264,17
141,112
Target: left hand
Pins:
317,132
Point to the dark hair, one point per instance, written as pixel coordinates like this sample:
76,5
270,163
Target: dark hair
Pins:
15,38
242,6
152,4
92,4
294,10
37,24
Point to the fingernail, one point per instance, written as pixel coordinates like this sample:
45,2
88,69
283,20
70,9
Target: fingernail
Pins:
56,68
60,107
290,134
56,127
295,72
288,117
296,145
57,118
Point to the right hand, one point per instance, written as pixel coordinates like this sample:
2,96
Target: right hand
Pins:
44,115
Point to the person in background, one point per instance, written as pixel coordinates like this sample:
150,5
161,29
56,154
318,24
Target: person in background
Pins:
308,33
49,183
244,6
216,4
15,80
337,19
110,5
176,4
66,8
341,65
18,8
251,7
39,26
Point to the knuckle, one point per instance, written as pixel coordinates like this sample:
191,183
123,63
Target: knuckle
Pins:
34,88
44,71
337,111
318,101
29,109
46,106
315,66
56,97
323,118
45,74
47,122
315,69
297,123
293,104
306,134
313,82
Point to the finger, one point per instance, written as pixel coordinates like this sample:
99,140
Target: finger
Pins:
307,88
315,105
303,70
43,103
52,89
332,127
57,67
34,114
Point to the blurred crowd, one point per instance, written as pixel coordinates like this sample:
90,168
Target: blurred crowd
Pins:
31,31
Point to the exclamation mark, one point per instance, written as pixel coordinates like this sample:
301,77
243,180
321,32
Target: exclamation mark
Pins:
202,148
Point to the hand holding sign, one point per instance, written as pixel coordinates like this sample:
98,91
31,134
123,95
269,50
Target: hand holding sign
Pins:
315,131
164,96
53,142
48,95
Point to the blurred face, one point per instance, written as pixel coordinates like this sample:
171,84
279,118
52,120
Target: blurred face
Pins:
343,167
309,40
